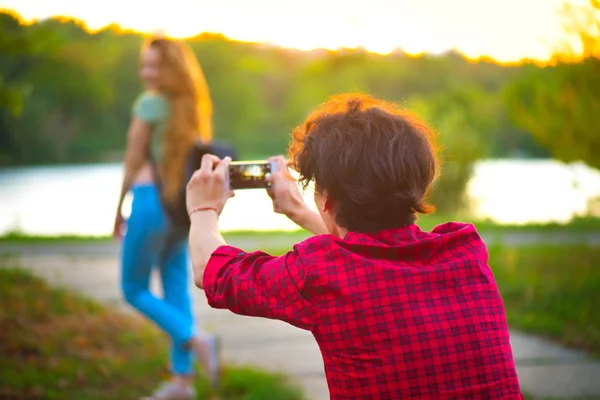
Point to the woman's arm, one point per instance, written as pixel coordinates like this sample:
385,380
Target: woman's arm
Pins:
136,153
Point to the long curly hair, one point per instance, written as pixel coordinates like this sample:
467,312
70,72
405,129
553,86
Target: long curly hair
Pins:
183,84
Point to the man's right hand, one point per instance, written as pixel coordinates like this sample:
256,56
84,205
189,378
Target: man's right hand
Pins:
284,190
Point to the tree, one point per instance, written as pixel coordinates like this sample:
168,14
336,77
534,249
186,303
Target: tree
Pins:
560,105
13,41
464,118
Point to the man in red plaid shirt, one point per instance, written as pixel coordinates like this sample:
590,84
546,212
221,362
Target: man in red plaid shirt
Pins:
398,313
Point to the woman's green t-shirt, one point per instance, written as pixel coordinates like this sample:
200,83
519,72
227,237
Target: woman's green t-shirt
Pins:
153,109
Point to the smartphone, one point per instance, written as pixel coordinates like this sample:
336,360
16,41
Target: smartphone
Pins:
250,174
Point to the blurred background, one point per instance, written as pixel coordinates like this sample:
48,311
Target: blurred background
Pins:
512,87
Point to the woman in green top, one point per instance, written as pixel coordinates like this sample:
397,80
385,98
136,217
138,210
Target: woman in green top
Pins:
167,119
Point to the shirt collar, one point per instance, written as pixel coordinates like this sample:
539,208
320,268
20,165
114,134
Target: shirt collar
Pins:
392,236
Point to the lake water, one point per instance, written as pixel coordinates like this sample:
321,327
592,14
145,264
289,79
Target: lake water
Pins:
81,200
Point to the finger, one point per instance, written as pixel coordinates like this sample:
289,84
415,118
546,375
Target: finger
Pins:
279,179
282,166
271,178
280,162
278,185
274,158
208,162
195,176
222,168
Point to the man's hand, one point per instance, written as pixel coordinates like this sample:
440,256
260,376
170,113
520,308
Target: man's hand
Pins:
288,200
284,191
208,186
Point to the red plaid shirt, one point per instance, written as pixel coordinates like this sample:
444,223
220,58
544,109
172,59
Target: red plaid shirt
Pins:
400,314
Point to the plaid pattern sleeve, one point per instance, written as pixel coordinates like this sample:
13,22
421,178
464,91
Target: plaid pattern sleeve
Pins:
257,284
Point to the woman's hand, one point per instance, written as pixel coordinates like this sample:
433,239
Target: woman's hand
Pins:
208,186
119,226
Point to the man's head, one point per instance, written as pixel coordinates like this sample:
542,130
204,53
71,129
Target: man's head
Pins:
372,163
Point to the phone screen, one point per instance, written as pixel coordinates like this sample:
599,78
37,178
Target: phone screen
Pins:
249,175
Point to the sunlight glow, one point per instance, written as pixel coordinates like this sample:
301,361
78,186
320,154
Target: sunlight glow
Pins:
509,30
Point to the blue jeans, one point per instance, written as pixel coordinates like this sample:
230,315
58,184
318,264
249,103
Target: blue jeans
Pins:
147,244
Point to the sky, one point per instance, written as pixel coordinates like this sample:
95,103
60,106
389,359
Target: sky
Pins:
507,30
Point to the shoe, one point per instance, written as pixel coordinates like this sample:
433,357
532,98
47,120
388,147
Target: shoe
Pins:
213,345
170,391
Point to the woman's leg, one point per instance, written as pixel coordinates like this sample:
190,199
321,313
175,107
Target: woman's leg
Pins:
176,287
176,284
144,234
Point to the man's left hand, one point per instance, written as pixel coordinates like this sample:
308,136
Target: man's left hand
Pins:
208,187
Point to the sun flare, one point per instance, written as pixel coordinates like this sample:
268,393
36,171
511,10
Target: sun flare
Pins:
506,31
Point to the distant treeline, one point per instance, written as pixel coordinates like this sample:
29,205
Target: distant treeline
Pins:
80,87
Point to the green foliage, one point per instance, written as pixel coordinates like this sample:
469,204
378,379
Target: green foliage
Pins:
551,291
58,345
13,40
461,127
559,104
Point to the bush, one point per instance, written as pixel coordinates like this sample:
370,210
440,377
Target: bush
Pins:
553,291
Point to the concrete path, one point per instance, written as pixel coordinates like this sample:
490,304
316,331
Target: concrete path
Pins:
545,369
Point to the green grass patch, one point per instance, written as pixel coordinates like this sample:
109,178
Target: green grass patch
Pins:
426,222
552,291
18,237
58,345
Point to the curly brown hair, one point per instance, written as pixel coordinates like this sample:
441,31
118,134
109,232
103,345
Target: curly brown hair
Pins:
375,160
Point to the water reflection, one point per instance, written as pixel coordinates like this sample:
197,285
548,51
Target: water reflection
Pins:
521,191
81,199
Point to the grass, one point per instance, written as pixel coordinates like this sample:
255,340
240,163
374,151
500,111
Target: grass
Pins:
19,237
552,291
426,222
58,345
